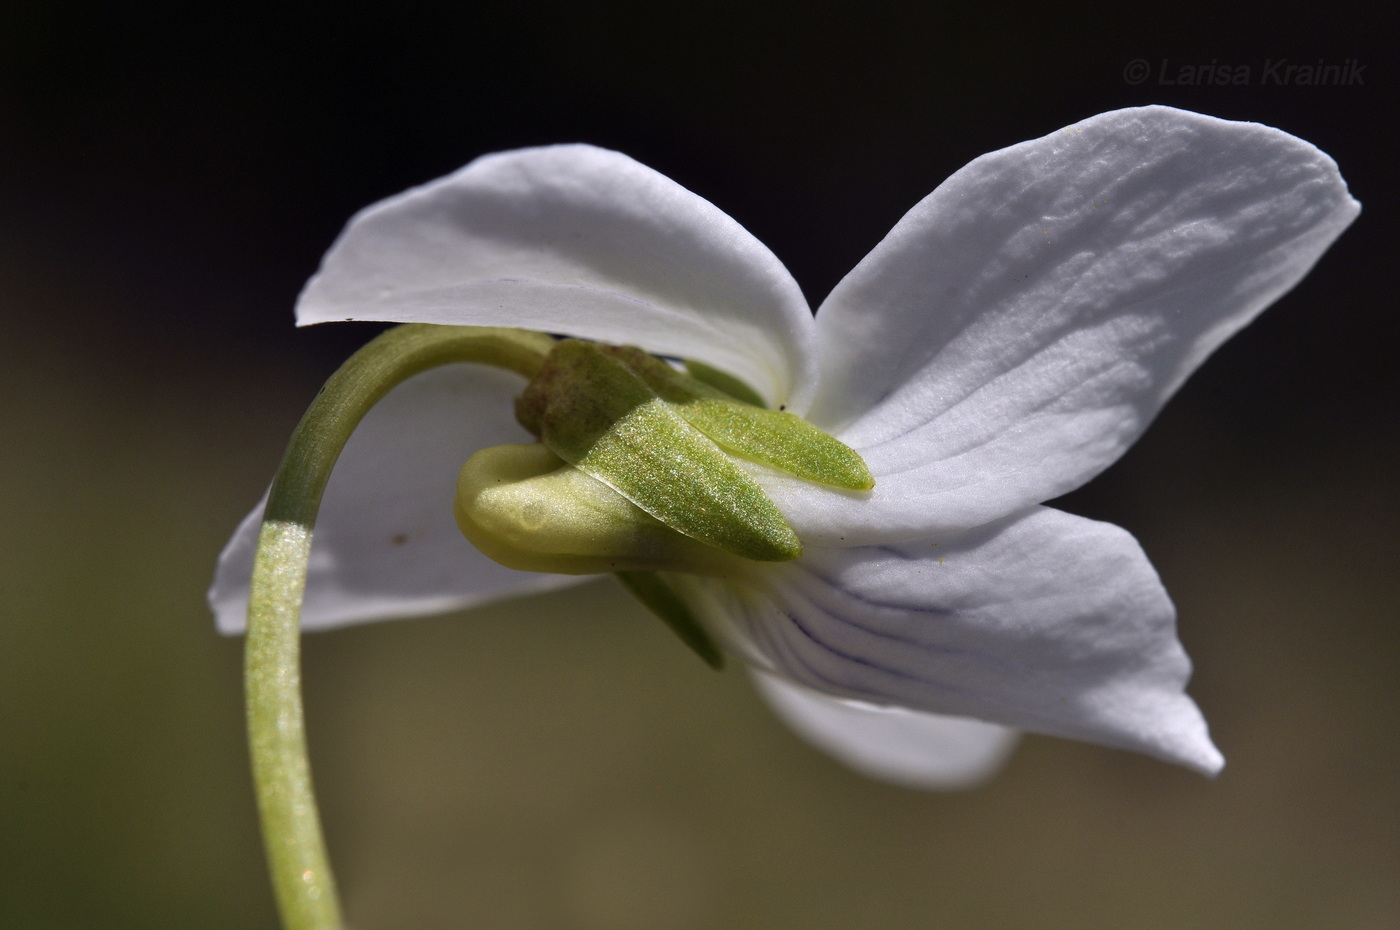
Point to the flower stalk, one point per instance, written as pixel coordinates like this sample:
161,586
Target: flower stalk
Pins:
296,850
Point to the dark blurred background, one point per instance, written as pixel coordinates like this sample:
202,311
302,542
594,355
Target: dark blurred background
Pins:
170,176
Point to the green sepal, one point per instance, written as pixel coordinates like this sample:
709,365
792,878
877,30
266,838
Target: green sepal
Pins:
599,415
783,440
773,437
658,597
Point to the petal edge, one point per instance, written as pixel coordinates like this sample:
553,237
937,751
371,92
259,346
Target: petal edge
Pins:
903,747
581,241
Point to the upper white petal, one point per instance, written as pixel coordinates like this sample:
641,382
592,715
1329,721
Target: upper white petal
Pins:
581,241
1043,621
893,744
386,544
1022,325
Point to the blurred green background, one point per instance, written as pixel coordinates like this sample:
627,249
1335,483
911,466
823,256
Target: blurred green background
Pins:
169,178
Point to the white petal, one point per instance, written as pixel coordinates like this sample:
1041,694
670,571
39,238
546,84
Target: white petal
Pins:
386,544
1021,326
890,743
1043,621
581,241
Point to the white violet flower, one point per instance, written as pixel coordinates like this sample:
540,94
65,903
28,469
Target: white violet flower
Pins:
1008,340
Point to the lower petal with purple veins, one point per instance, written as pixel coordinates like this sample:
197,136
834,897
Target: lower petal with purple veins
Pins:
1043,621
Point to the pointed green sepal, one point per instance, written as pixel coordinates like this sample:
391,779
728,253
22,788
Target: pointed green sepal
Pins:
668,607
599,415
783,440
773,437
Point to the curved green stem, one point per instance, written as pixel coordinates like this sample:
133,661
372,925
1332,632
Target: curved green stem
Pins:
296,851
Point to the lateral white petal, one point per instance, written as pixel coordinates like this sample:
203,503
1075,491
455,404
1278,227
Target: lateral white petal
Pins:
580,241
1042,621
1022,325
892,744
386,544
